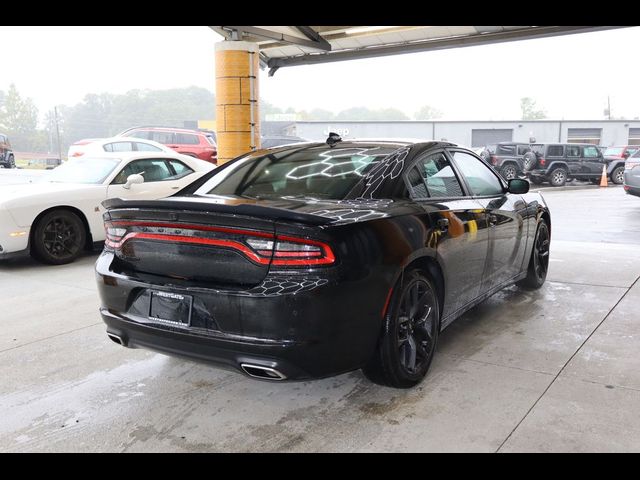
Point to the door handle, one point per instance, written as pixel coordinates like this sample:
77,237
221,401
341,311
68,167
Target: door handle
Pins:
443,224
493,220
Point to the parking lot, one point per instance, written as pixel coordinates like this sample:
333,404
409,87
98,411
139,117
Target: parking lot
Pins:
550,370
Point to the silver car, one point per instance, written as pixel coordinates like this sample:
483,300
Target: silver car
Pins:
632,174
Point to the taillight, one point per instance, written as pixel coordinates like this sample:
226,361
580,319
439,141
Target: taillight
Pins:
260,247
543,162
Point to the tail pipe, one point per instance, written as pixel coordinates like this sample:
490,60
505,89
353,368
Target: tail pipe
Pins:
264,373
117,339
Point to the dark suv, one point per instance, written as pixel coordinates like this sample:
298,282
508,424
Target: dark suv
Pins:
7,160
558,163
508,158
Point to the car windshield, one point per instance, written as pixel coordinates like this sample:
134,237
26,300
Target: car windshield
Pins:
614,151
320,172
83,170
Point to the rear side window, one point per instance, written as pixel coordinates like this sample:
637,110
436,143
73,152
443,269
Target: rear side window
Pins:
187,139
573,151
433,177
555,151
145,147
522,149
162,137
118,147
591,152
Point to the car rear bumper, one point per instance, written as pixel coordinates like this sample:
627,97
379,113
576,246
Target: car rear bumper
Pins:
632,190
310,330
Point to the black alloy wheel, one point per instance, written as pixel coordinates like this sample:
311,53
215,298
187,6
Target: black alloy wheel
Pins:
509,172
410,333
59,237
539,262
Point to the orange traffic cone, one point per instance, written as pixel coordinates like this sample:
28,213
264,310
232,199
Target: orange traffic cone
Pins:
603,180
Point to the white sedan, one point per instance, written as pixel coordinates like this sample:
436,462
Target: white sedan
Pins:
56,219
114,144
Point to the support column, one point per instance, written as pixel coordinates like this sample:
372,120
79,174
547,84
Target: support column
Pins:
237,115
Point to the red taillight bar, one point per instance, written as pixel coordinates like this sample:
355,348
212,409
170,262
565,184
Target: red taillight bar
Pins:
283,257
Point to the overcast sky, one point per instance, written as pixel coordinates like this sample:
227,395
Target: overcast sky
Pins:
570,76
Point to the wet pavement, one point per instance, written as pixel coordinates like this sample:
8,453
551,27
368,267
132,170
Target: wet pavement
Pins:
551,370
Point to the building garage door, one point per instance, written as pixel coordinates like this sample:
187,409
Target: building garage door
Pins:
634,136
584,135
482,137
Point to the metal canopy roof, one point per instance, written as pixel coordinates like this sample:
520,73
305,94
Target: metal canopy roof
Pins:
285,46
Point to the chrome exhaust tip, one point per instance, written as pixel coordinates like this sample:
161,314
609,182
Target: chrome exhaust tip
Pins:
115,338
263,373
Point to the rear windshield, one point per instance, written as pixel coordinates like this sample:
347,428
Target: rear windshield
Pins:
614,151
319,172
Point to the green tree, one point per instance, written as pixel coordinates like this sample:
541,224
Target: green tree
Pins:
428,112
530,110
19,119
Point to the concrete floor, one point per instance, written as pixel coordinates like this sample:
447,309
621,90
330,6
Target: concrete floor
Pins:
553,370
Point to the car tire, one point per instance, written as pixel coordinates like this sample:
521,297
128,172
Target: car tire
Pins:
530,160
12,162
59,237
558,177
539,261
409,334
617,176
509,172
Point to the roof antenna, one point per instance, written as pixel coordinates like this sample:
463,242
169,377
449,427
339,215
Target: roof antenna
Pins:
333,139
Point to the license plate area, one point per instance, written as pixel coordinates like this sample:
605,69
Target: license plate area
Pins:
170,308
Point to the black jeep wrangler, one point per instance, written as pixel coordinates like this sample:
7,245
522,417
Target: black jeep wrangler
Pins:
558,163
7,159
509,158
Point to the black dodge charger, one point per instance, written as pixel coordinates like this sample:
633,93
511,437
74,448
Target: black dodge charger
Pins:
314,259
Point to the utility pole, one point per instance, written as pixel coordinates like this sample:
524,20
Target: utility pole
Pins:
55,110
609,106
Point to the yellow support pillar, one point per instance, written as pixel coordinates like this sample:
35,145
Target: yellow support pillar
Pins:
237,115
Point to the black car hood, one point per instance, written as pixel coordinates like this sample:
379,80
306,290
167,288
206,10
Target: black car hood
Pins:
307,210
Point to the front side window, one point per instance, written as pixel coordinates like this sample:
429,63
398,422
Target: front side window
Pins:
573,151
591,152
319,172
152,170
481,180
433,177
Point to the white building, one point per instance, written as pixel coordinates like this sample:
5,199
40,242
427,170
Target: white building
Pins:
479,133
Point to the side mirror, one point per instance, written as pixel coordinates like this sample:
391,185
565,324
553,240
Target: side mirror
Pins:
625,155
518,186
133,179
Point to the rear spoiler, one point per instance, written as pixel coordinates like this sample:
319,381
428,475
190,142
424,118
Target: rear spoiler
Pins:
250,210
